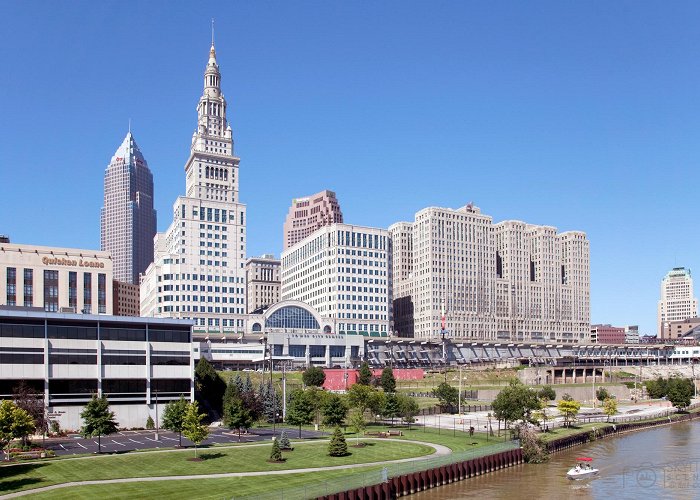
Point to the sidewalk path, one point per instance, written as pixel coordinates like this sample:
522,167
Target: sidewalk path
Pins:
440,450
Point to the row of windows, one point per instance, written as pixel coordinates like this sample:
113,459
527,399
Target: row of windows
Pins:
90,333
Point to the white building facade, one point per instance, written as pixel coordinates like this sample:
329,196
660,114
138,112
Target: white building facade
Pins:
678,302
344,273
56,279
509,281
198,270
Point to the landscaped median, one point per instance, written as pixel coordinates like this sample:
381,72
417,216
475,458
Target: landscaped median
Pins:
253,458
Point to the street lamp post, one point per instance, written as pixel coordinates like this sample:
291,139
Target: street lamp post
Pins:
459,403
156,436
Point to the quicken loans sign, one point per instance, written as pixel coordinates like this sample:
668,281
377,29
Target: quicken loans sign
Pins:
61,261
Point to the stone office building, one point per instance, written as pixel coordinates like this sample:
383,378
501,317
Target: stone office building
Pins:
56,279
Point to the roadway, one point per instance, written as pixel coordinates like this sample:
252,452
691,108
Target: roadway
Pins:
144,440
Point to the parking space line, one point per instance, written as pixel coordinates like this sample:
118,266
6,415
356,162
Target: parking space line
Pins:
98,444
139,442
150,439
117,442
62,446
85,448
169,439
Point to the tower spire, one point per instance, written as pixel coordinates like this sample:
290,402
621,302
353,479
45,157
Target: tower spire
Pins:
212,31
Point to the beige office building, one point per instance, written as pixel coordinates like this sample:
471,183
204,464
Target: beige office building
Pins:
310,213
343,272
677,299
262,282
510,281
56,279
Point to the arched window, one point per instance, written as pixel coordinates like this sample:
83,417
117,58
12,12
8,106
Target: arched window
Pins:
292,317
207,172
327,329
257,327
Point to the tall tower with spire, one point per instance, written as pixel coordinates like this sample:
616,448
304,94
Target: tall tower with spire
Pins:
198,271
127,219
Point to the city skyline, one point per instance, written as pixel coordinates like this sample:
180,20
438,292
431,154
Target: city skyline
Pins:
558,117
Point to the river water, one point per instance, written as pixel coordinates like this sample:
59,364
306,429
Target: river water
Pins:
663,462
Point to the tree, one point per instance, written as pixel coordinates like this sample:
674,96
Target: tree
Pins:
569,408
236,413
32,402
541,413
567,397
149,423
610,407
365,375
408,408
358,424
276,453
284,441
446,394
334,409
192,426
515,402
534,450
98,420
680,392
387,381
360,397
313,376
391,408
301,409
602,394
338,447
15,423
174,416
547,393
209,386
657,389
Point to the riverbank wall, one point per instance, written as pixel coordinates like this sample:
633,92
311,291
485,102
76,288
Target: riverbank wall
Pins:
608,430
408,484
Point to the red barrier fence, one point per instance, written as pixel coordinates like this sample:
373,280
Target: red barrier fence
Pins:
335,377
409,484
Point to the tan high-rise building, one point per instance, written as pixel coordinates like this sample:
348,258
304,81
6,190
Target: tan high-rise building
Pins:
509,281
310,213
198,270
677,301
262,282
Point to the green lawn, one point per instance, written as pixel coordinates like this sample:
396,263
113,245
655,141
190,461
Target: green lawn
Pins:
283,486
457,441
561,432
217,460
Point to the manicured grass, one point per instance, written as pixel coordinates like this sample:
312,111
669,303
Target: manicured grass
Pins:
457,441
216,460
276,486
561,432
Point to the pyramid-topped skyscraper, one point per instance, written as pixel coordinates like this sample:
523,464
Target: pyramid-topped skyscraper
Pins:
127,219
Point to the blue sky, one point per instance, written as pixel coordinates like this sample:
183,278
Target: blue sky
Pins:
580,115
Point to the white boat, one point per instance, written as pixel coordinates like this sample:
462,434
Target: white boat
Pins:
582,470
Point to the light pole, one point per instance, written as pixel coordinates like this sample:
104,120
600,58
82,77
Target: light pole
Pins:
459,404
156,436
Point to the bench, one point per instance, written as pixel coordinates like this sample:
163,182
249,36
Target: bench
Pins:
395,433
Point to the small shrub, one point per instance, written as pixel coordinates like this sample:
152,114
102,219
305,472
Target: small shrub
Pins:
534,449
338,447
284,441
55,427
150,424
276,453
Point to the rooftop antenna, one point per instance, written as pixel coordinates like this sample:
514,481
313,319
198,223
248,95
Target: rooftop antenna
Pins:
129,125
212,31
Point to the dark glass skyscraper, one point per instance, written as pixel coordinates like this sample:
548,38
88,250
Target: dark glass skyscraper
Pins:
128,220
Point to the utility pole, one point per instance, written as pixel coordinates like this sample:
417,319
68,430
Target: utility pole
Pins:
459,404
156,436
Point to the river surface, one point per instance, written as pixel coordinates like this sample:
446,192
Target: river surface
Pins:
659,463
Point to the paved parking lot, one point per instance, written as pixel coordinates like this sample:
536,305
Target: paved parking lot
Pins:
133,440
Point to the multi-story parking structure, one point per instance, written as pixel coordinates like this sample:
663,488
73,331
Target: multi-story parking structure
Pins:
69,357
343,272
